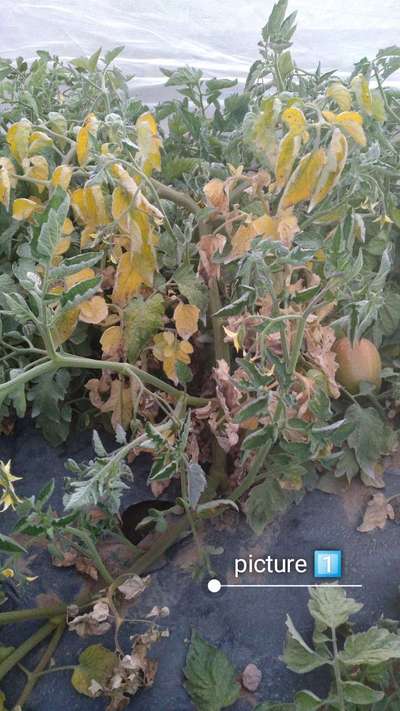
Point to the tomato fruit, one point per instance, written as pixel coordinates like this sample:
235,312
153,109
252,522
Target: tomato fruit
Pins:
358,363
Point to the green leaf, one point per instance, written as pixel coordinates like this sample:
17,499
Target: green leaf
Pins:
370,436
331,607
307,701
192,287
47,395
298,656
357,693
375,646
256,407
210,677
272,706
142,319
113,54
72,265
8,545
266,501
95,662
18,307
259,438
49,236
197,482
45,493
80,292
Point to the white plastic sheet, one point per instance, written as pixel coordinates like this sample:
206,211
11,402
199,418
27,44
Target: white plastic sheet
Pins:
219,36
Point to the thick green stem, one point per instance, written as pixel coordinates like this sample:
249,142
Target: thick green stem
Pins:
34,676
182,199
336,667
70,361
25,648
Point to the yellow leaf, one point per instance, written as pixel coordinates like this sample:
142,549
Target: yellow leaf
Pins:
38,141
339,93
94,310
111,342
68,226
302,181
125,180
78,204
119,403
18,139
351,122
330,174
95,208
64,325
169,351
186,317
294,120
5,188
62,246
287,153
82,275
128,279
23,208
217,194
39,170
242,239
120,203
84,137
360,87
87,235
8,165
149,143
62,176
378,106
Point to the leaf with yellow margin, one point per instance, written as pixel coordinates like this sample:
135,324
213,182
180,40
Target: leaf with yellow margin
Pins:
186,317
149,143
128,279
302,181
351,122
5,188
83,274
38,170
111,342
64,325
95,310
288,151
360,87
170,351
339,93
38,141
18,139
62,176
23,208
330,174
83,138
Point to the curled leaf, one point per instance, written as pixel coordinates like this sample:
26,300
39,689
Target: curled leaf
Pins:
332,170
303,180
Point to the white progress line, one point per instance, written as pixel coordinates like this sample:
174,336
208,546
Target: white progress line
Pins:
310,585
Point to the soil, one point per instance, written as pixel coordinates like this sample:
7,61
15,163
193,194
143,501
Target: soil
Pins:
248,624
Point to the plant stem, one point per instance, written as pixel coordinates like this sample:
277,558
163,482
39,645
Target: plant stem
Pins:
92,550
25,647
31,613
336,667
34,676
182,199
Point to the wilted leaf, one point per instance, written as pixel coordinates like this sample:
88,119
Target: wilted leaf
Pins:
369,438
62,176
298,656
171,351
23,208
197,482
149,143
133,586
351,122
339,93
331,172
186,317
95,663
18,139
376,514
360,87
303,180
288,151
94,310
